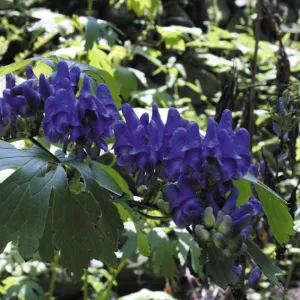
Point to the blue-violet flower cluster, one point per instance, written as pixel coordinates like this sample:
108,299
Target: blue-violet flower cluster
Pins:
199,172
81,120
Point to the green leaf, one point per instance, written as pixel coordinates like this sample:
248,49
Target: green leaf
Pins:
145,294
219,267
275,208
110,178
22,64
131,244
127,212
127,81
24,197
163,251
10,157
92,33
263,261
83,226
109,224
186,244
244,191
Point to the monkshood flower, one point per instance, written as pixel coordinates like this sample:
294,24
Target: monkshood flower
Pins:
151,147
84,120
254,278
225,155
185,205
169,150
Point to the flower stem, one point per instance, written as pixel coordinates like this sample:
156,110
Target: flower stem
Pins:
35,142
85,285
54,275
90,7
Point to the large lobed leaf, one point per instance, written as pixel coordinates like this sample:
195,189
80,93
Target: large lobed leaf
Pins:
39,212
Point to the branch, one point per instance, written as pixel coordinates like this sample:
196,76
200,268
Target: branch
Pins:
35,142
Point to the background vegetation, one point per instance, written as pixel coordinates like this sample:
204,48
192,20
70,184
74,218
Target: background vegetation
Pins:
200,57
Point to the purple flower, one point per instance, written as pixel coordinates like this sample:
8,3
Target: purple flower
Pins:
186,206
254,278
84,120
149,146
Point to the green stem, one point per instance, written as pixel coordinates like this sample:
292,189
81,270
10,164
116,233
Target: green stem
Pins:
90,7
113,278
291,269
35,142
85,285
54,276
254,69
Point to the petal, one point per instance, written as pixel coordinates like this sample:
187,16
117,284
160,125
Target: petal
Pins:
10,81
29,72
33,97
61,74
226,122
51,133
173,121
45,89
132,120
62,122
157,119
230,202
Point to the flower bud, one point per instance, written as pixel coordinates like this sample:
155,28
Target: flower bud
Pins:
20,124
142,190
219,218
220,241
225,226
236,243
254,278
201,233
209,218
163,205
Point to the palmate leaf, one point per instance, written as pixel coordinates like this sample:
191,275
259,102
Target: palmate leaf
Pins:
24,197
274,206
163,252
111,179
219,267
186,244
76,231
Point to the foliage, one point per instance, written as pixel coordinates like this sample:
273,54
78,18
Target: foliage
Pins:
96,217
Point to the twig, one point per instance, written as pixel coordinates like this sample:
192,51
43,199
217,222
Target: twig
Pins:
35,142
54,275
254,69
85,285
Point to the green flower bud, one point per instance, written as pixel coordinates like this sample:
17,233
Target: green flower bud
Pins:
220,241
201,233
235,244
158,196
20,124
163,206
209,218
142,190
226,227
219,218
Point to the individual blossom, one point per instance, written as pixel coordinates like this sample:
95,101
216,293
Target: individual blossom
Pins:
185,204
254,278
225,154
24,99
